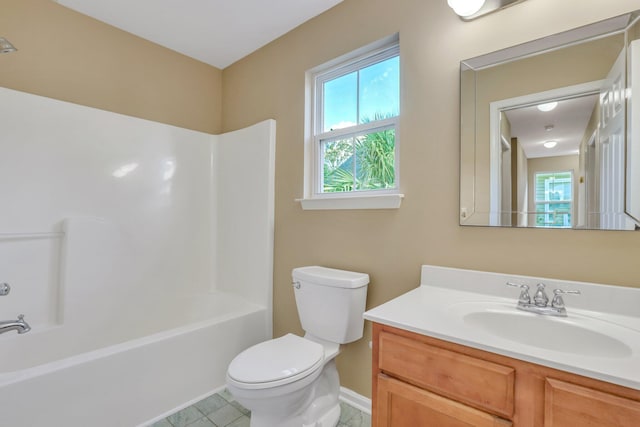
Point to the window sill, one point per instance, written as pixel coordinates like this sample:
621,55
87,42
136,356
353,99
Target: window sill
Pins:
381,201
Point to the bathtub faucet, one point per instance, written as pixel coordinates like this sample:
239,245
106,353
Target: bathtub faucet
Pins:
19,325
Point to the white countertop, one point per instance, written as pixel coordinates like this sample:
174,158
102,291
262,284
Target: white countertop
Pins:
436,309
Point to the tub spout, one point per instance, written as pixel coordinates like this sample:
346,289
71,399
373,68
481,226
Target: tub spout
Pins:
20,326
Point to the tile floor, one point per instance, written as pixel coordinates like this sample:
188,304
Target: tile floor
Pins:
221,410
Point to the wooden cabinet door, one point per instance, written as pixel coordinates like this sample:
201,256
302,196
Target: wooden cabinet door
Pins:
402,405
475,382
571,405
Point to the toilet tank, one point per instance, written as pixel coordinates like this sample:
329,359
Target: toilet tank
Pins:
331,302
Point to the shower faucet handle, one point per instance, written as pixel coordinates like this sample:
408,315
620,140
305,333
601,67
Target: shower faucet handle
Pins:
4,289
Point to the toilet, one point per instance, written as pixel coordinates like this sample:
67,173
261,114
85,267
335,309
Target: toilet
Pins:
292,381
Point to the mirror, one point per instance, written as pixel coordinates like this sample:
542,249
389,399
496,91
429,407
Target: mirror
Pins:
549,135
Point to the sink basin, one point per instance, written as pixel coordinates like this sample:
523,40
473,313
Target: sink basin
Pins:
578,335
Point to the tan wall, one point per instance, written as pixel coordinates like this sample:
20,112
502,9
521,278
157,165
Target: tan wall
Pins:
65,55
391,245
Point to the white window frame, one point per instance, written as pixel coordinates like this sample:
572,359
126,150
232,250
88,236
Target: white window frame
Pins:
314,198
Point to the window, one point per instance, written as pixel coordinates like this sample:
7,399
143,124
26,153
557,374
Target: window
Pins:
351,150
553,199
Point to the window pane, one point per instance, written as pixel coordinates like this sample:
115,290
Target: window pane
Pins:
365,162
553,199
375,158
340,102
553,215
379,90
553,186
337,164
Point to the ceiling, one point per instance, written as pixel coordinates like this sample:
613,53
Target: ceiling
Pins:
569,120
216,32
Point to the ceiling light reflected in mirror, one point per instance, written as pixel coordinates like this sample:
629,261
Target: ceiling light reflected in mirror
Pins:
549,106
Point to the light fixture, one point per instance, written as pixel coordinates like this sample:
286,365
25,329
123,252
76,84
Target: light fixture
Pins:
465,8
472,9
550,144
6,46
548,106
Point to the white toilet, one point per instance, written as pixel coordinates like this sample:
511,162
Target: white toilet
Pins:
293,381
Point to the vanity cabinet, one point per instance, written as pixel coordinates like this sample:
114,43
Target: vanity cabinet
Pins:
402,404
419,381
568,404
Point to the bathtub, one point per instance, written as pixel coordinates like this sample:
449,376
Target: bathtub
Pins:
157,370
139,256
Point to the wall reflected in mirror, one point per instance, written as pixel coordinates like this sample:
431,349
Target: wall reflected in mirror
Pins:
547,131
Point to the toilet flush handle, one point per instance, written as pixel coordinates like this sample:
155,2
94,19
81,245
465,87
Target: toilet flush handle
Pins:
296,285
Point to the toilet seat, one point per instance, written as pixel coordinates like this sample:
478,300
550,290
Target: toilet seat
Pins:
276,362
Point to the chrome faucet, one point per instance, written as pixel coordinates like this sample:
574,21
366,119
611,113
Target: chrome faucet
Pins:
20,326
540,304
541,299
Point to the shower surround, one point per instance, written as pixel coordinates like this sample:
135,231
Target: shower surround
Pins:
133,249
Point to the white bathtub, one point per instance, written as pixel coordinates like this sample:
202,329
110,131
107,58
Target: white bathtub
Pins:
141,258
129,383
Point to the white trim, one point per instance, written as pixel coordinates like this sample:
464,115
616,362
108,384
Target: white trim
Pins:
359,129
632,197
355,400
351,201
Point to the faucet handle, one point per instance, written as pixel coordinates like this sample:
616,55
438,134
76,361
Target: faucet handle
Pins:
524,298
557,301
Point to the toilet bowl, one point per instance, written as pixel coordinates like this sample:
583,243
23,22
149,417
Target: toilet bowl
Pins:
278,379
292,381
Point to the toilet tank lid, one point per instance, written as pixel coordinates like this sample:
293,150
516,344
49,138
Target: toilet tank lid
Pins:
330,277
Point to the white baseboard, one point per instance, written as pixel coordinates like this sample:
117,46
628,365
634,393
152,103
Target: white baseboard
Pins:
356,400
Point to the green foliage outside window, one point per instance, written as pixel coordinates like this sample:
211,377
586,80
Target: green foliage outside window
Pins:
363,162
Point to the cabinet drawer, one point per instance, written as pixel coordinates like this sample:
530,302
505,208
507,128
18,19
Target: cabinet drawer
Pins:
479,383
569,405
404,405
